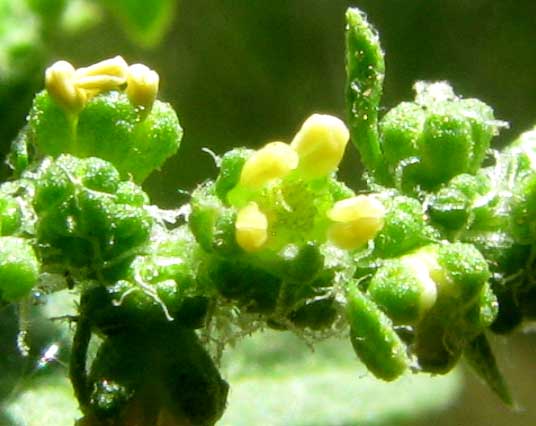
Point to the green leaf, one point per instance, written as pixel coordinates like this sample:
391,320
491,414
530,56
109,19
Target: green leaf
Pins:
145,22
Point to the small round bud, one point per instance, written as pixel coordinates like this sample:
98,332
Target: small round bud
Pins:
142,86
403,289
59,82
19,268
357,220
274,160
320,144
251,228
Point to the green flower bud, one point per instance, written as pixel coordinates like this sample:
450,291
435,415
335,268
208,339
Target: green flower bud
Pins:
230,169
19,268
108,127
403,289
452,206
51,130
213,225
428,142
55,184
404,228
445,146
401,129
99,175
131,228
130,193
374,338
466,271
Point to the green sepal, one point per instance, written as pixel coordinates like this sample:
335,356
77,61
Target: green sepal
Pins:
365,69
374,338
51,129
397,291
479,356
230,170
452,206
400,129
110,127
404,229
466,270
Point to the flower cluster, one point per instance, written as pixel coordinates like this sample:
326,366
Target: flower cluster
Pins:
416,268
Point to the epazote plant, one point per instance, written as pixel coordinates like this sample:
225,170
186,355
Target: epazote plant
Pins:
416,268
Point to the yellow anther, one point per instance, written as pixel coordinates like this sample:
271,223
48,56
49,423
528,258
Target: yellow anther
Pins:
103,76
113,67
320,144
424,265
251,228
59,83
142,86
274,160
99,83
356,221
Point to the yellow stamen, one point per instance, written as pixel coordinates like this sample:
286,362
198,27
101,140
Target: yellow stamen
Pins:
274,160
142,86
113,67
60,86
320,144
356,221
251,228
99,83
100,77
423,266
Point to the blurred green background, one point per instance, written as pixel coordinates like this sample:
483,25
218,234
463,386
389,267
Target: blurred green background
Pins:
245,72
